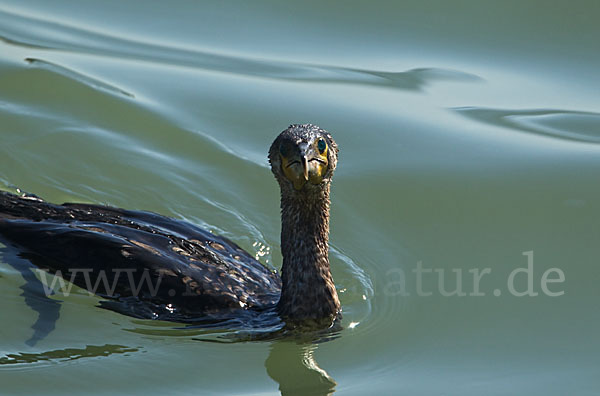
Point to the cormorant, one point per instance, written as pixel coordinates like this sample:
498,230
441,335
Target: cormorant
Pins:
173,270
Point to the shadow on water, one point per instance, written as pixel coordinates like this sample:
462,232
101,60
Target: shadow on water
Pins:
48,310
294,368
17,30
568,125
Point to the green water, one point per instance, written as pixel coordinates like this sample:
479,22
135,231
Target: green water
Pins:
469,135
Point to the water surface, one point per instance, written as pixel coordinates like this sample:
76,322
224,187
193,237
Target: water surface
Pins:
469,135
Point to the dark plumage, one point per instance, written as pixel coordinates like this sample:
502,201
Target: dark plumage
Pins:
170,269
308,291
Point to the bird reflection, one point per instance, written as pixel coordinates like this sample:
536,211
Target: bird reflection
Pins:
47,309
293,367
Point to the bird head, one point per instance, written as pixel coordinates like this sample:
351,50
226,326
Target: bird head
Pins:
303,157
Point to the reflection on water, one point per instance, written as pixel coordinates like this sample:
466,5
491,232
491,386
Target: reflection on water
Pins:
294,368
47,309
67,354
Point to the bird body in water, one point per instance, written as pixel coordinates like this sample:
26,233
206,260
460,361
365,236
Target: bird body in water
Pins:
173,270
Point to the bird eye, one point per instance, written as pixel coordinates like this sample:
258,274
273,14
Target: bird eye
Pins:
284,150
321,146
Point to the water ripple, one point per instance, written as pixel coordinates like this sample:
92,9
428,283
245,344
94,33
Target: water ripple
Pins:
577,126
73,75
355,289
24,31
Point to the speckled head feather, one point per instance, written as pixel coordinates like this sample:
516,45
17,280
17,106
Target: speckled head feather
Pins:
303,159
294,136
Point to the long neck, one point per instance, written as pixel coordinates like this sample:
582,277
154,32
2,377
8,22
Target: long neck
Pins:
308,291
